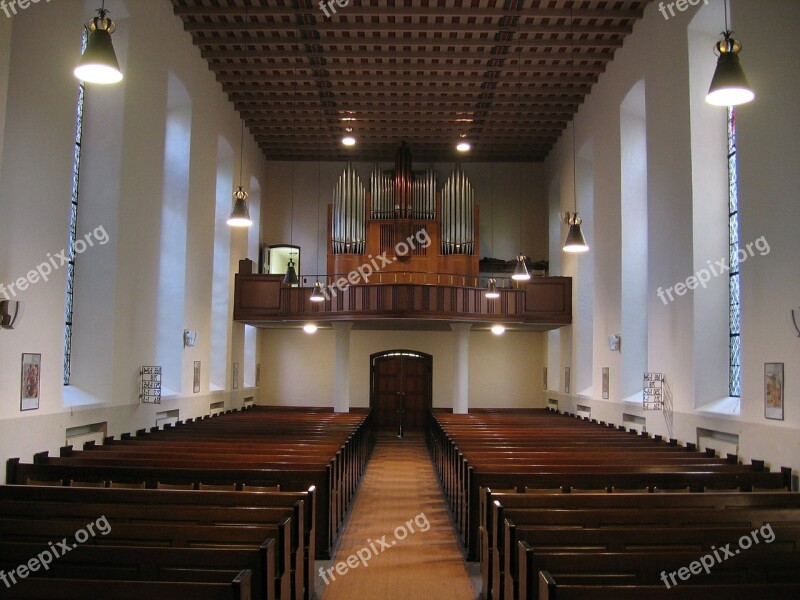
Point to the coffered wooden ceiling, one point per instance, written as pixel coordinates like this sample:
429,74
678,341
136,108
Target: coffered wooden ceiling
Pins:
500,72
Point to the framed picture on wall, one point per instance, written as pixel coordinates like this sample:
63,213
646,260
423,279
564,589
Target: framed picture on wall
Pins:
773,391
566,380
236,376
196,377
31,381
605,383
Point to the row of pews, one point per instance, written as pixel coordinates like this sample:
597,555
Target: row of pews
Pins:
556,506
235,506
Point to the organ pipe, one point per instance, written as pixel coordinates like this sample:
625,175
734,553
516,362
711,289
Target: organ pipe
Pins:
423,200
403,181
381,187
458,210
349,219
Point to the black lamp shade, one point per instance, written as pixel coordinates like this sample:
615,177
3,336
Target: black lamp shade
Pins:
729,86
291,275
99,62
575,241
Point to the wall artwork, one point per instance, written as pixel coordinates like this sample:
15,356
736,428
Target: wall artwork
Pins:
31,381
605,383
773,391
196,378
566,380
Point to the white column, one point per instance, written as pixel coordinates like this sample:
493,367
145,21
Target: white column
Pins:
460,367
341,384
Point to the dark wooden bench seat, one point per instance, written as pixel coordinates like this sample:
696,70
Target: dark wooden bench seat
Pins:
698,540
166,535
148,563
550,589
95,589
757,565
632,518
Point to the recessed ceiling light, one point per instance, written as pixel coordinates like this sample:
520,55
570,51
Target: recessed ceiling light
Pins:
310,328
349,139
498,329
464,146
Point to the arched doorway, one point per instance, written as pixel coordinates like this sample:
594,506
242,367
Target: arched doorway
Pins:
401,389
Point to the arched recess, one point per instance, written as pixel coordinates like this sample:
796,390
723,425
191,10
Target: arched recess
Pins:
633,175
583,328
221,278
174,217
710,216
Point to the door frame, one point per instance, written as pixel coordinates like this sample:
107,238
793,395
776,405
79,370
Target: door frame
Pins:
374,358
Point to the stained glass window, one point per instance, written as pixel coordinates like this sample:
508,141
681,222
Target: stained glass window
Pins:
73,227
734,298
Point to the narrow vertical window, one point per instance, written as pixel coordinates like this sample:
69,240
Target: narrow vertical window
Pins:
733,251
73,226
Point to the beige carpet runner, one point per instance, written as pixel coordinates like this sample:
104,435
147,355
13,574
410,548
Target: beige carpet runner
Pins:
398,541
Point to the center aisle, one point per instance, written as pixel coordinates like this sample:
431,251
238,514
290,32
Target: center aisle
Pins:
399,527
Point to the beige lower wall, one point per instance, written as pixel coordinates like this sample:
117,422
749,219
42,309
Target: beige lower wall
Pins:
504,371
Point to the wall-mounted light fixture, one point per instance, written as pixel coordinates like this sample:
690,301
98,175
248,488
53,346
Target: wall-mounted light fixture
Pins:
614,342
10,311
189,338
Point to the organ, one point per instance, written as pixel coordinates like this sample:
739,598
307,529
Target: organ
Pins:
428,234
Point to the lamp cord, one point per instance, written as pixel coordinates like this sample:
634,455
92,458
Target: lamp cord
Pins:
519,113
575,117
241,134
725,7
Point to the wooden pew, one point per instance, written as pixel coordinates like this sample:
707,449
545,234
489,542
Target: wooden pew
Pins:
758,565
93,589
698,540
147,563
301,503
165,535
549,589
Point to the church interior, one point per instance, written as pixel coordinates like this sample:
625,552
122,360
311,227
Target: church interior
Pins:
378,299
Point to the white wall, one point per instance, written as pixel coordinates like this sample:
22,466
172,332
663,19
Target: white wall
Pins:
122,190
768,181
504,371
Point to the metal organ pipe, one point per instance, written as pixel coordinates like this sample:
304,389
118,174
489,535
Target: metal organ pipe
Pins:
423,201
381,187
458,209
403,179
349,219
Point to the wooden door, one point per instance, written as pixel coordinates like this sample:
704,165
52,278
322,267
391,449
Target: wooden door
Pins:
401,390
